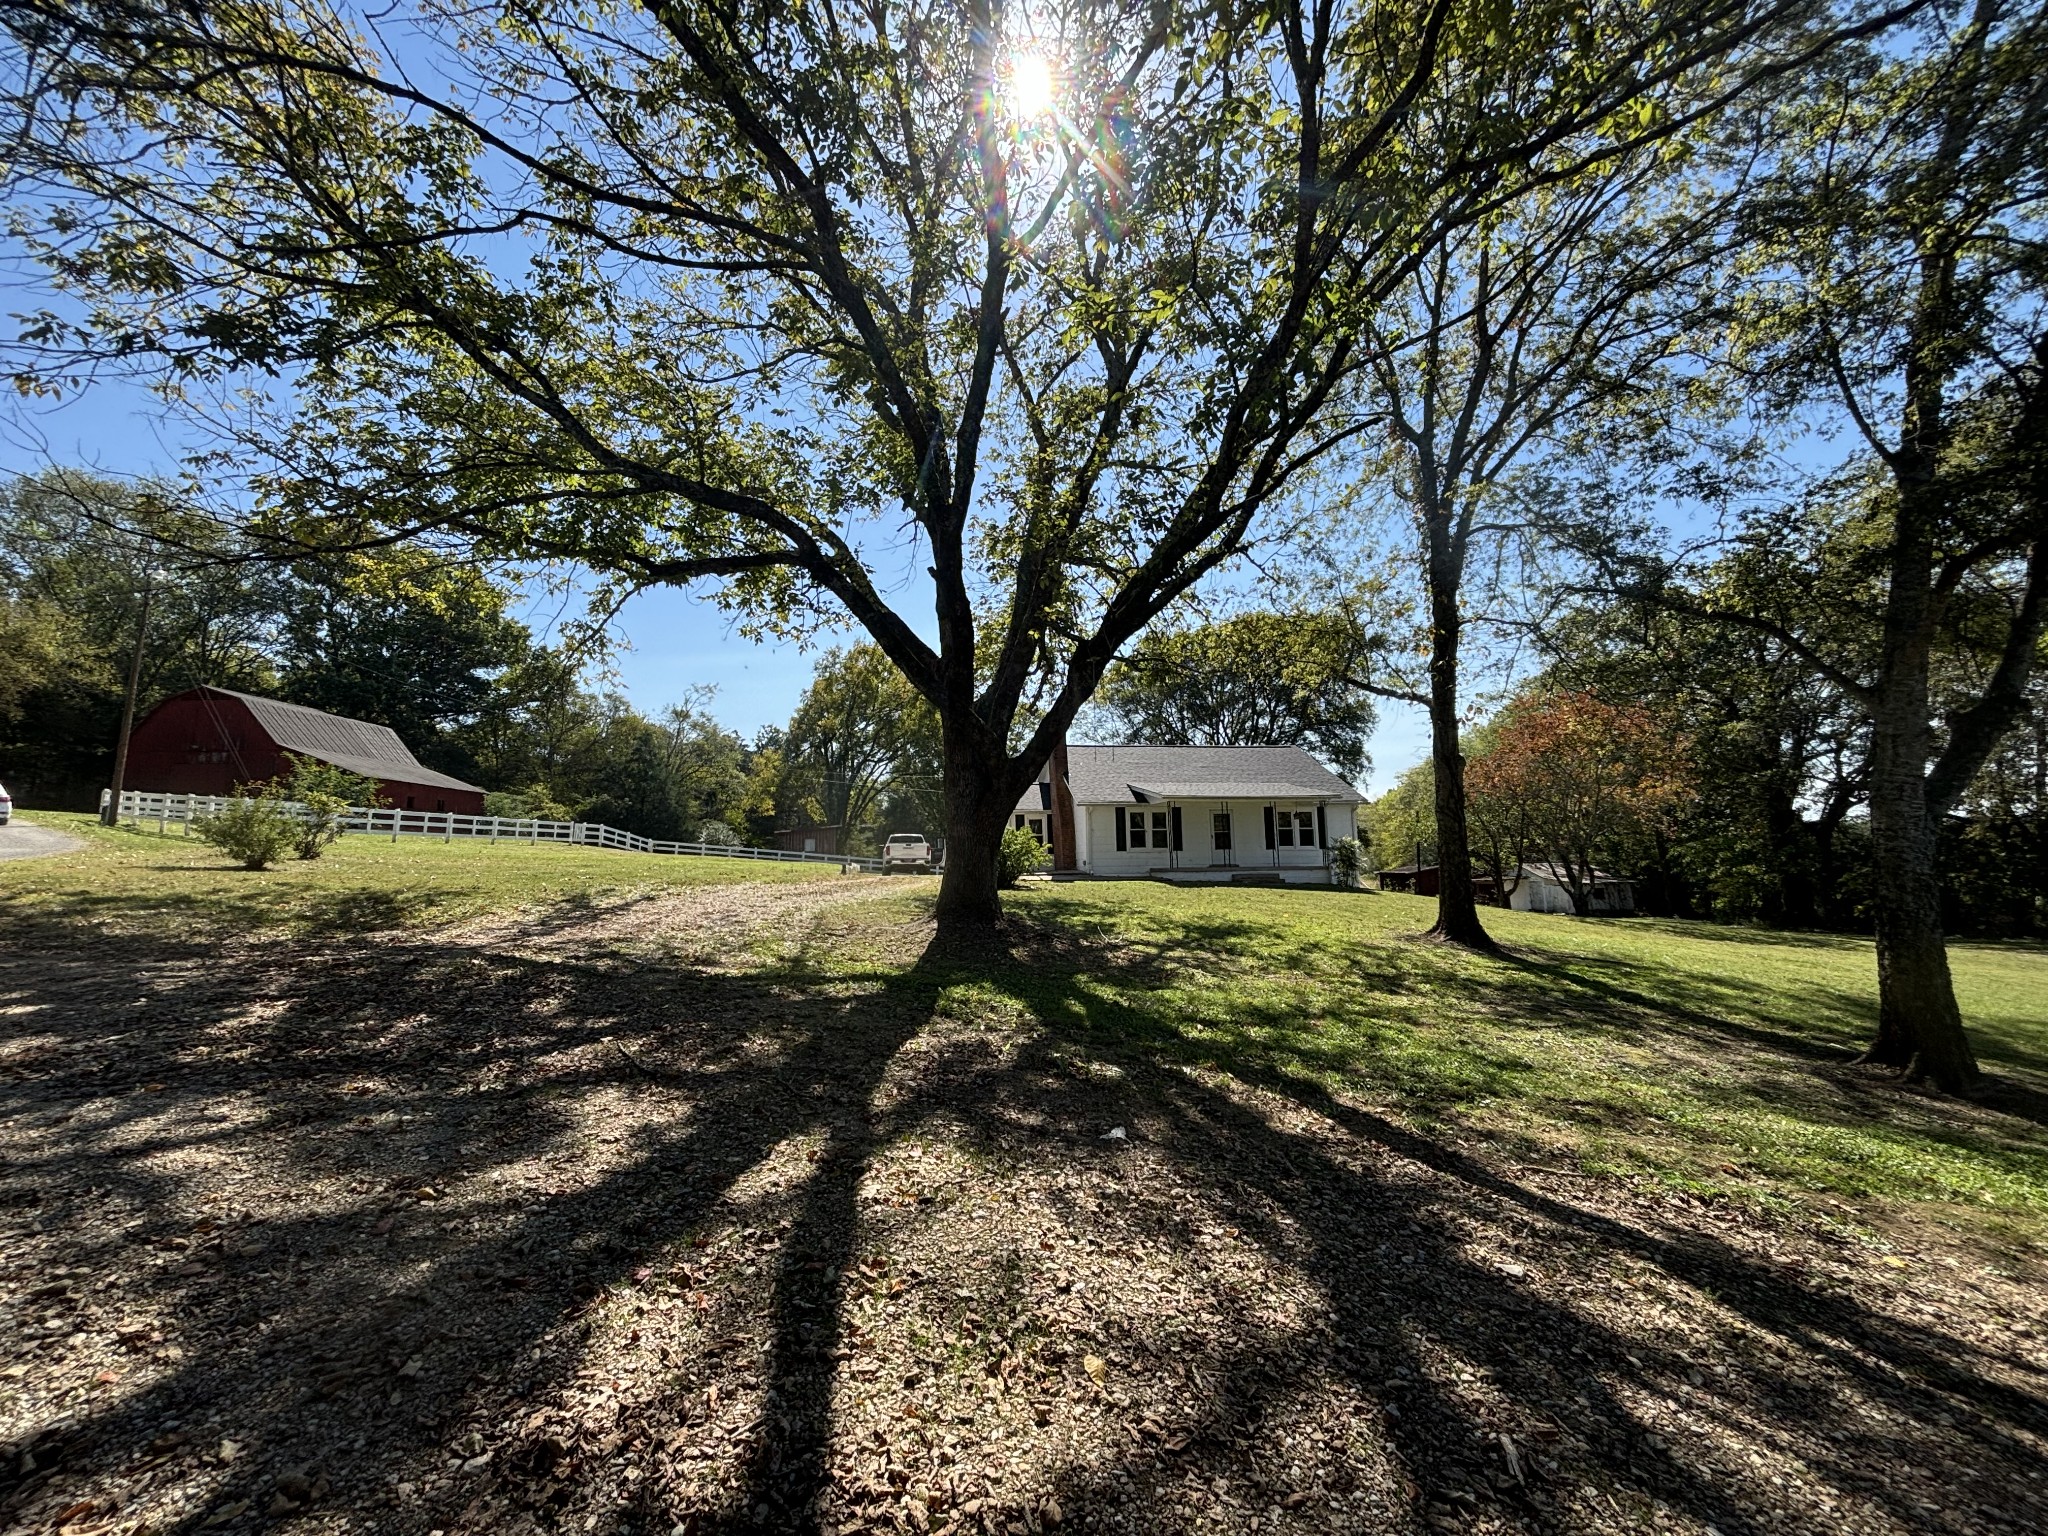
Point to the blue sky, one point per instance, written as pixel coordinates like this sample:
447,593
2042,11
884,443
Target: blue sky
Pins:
673,643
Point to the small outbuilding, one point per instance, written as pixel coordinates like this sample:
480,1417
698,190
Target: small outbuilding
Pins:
1545,888
810,839
206,741
1427,880
1411,879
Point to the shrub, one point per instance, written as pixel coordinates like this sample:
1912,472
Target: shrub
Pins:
532,803
718,835
1347,859
325,795
1019,855
255,831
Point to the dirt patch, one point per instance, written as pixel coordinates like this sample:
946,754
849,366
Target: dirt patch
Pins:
623,1220
700,924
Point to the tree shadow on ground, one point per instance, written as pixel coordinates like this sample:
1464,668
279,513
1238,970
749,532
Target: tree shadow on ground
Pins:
335,914
1743,933
424,1309
2015,1096
308,1315
1389,1317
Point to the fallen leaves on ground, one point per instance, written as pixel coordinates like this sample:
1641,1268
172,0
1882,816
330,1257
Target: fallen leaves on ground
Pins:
394,1237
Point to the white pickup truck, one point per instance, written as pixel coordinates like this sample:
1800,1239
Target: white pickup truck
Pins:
906,850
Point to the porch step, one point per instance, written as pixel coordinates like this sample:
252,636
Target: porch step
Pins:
1256,877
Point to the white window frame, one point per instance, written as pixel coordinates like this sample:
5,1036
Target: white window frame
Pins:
1135,819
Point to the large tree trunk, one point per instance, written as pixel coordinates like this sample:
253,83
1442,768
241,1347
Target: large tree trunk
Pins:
977,812
1457,913
1919,1027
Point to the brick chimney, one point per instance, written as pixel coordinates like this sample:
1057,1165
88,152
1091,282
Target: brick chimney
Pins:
1063,842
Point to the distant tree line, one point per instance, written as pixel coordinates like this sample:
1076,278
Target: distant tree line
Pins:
1713,767
428,647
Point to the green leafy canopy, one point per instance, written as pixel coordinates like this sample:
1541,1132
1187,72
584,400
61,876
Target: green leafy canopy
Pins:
800,301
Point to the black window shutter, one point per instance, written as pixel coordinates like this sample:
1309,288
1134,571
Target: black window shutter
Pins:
1269,826
1322,829
1122,838
1020,820
1176,828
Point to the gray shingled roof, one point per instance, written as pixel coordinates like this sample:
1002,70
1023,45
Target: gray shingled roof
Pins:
375,751
1120,775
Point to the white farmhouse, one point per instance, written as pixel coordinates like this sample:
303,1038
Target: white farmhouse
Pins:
1244,814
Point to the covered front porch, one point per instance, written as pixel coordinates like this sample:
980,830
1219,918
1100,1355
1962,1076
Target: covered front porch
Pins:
1213,841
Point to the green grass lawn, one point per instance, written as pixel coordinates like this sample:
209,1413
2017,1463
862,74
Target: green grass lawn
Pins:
142,880
1714,1058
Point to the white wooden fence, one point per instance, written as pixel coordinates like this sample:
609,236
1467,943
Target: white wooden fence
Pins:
140,806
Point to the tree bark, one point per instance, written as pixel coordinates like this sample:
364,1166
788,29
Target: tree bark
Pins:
1919,1027
1457,912
977,812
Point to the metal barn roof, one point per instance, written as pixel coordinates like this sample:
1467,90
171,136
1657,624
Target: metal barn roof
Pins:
375,751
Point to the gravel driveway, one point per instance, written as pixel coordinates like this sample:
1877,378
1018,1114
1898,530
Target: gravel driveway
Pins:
25,840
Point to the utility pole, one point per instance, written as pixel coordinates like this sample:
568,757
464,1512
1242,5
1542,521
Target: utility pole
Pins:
111,816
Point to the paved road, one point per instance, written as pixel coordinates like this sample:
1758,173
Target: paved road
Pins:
24,840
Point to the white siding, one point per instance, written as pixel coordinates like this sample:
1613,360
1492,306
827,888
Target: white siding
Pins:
1539,894
1536,894
1097,853
1104,856
1343,821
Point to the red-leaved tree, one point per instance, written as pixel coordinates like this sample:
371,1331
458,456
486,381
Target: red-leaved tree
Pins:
1588,778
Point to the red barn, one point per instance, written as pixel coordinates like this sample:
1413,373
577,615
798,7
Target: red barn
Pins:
207,740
